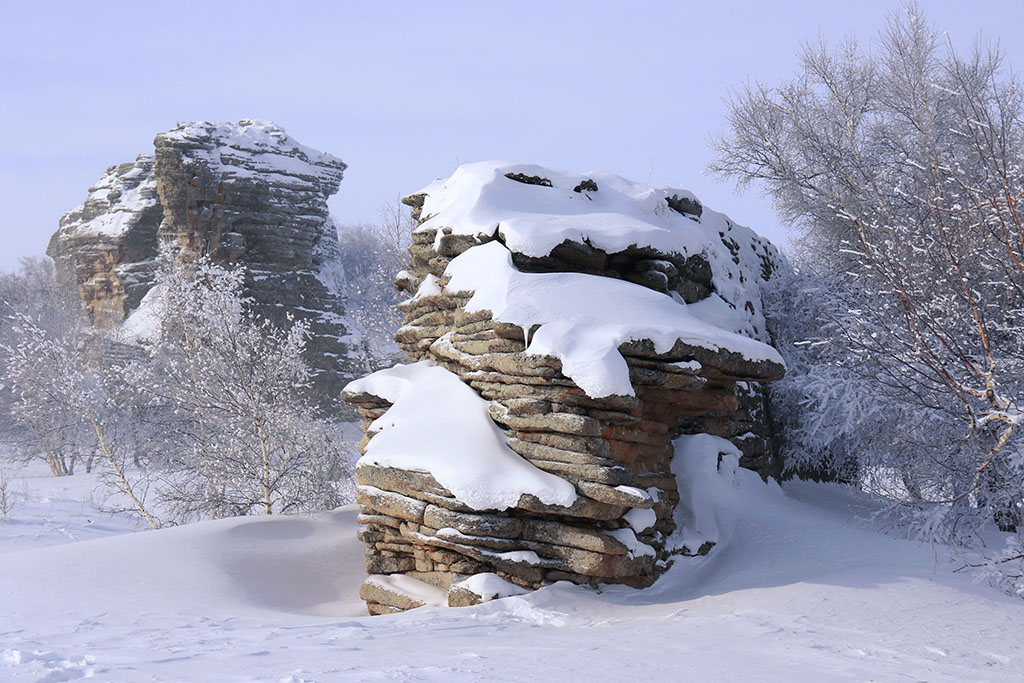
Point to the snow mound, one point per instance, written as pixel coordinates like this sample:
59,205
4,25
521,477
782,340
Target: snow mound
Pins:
805,590
143,324
533,219
584,319
298,565
713,490
490,586
437,424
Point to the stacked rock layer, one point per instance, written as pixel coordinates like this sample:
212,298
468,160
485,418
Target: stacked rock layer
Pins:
242,194
613,446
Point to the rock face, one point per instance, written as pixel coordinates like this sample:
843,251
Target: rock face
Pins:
596,320
243,193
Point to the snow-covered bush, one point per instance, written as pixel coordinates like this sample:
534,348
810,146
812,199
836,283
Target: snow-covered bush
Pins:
905,168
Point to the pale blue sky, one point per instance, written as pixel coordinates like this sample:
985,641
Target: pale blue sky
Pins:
404,91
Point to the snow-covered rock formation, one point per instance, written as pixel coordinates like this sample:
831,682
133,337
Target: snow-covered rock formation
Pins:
564,329
243,193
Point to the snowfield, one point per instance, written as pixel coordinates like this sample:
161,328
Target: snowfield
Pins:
802,588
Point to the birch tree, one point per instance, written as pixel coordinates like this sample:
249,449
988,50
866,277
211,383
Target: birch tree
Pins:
904,168
243,435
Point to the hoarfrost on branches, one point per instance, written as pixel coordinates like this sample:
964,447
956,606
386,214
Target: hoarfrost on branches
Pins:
904,167
245,436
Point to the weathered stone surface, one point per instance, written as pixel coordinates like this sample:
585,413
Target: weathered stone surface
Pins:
562,423
572,536
526,406
582,508
538,451
108,245
590,473
494,386
528,179
564,552
374,590
685,205
591,445
521,569
613,496
370,536
441,580
378,563
728,363
474,525
375,609
490,542
402,481
242,194
391,504
459,596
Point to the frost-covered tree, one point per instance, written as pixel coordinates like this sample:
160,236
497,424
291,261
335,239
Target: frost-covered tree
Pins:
70,404
33,291
6,496
227,392
904,166
372,255
195,405
35,307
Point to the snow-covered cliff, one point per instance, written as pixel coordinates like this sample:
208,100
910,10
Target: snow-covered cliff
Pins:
242,193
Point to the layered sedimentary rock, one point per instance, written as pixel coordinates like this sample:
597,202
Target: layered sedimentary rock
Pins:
243,194
563,329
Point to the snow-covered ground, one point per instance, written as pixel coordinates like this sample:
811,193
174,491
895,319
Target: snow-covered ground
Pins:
805,589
